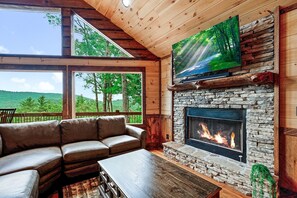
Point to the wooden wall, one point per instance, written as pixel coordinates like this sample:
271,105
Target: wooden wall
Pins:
288,63
166,100
288,100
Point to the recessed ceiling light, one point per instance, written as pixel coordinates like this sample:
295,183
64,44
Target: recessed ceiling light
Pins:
126,3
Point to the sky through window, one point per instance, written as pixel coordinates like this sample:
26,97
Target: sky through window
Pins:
27,31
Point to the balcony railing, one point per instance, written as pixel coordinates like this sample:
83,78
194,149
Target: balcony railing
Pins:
132,117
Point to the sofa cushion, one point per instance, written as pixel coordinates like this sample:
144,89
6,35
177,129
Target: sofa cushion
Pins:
22,184
109,126
41,159
121,143
74,130
84,151
49,180
83,170
79,164
19,137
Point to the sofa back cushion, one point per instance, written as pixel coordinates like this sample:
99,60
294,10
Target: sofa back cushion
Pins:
80,129
109,126
18,137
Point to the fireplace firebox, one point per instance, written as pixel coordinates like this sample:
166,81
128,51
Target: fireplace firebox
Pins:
220,131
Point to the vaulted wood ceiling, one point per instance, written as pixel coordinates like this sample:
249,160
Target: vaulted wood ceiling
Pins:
157,24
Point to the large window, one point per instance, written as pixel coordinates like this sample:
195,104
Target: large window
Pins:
35,95
109,94
37,31
88,41
28,31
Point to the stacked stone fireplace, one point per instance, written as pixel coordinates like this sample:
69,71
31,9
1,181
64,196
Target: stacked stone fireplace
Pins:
252,129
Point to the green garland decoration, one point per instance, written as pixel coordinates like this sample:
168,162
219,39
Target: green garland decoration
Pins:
259,174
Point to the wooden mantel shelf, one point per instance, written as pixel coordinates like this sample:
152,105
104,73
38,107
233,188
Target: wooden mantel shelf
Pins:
233,81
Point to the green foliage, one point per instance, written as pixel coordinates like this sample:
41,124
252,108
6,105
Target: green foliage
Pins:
89,105
89,42
28,105
42,104
53,19
259,175
81,104
10,99
134,90
110,84
49,102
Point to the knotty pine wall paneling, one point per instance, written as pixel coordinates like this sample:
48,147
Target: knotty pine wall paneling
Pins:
288,100
166,100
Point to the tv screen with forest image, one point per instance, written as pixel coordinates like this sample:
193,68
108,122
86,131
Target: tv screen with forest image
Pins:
213,49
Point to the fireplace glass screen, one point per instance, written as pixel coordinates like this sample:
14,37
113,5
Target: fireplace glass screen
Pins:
220,131
224,133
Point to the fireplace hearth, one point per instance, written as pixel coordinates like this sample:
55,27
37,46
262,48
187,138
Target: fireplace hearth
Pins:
220,131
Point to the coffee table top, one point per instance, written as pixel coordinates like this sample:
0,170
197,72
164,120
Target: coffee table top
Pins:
142,174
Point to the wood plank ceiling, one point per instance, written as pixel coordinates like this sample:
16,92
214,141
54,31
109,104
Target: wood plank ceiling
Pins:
157,24
93,17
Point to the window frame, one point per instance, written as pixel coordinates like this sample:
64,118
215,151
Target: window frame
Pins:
42,68
112,69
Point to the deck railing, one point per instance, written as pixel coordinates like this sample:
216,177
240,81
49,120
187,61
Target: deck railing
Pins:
132,117
35,117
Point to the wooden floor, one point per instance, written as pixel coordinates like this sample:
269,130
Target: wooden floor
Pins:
226,192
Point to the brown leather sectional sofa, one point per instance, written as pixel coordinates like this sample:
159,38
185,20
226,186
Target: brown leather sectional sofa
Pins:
52,148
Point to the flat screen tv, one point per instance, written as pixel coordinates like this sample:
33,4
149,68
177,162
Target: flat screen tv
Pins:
209,51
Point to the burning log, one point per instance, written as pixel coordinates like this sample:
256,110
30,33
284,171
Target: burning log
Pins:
233,81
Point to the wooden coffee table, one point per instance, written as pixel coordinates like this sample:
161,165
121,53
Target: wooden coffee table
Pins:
140,174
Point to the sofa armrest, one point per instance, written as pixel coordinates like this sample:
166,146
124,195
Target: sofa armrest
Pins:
137,133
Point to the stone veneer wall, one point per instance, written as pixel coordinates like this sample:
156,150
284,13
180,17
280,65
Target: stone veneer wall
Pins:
257,54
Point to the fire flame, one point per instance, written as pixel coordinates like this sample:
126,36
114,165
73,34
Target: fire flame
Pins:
205,133
220,139
232,140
